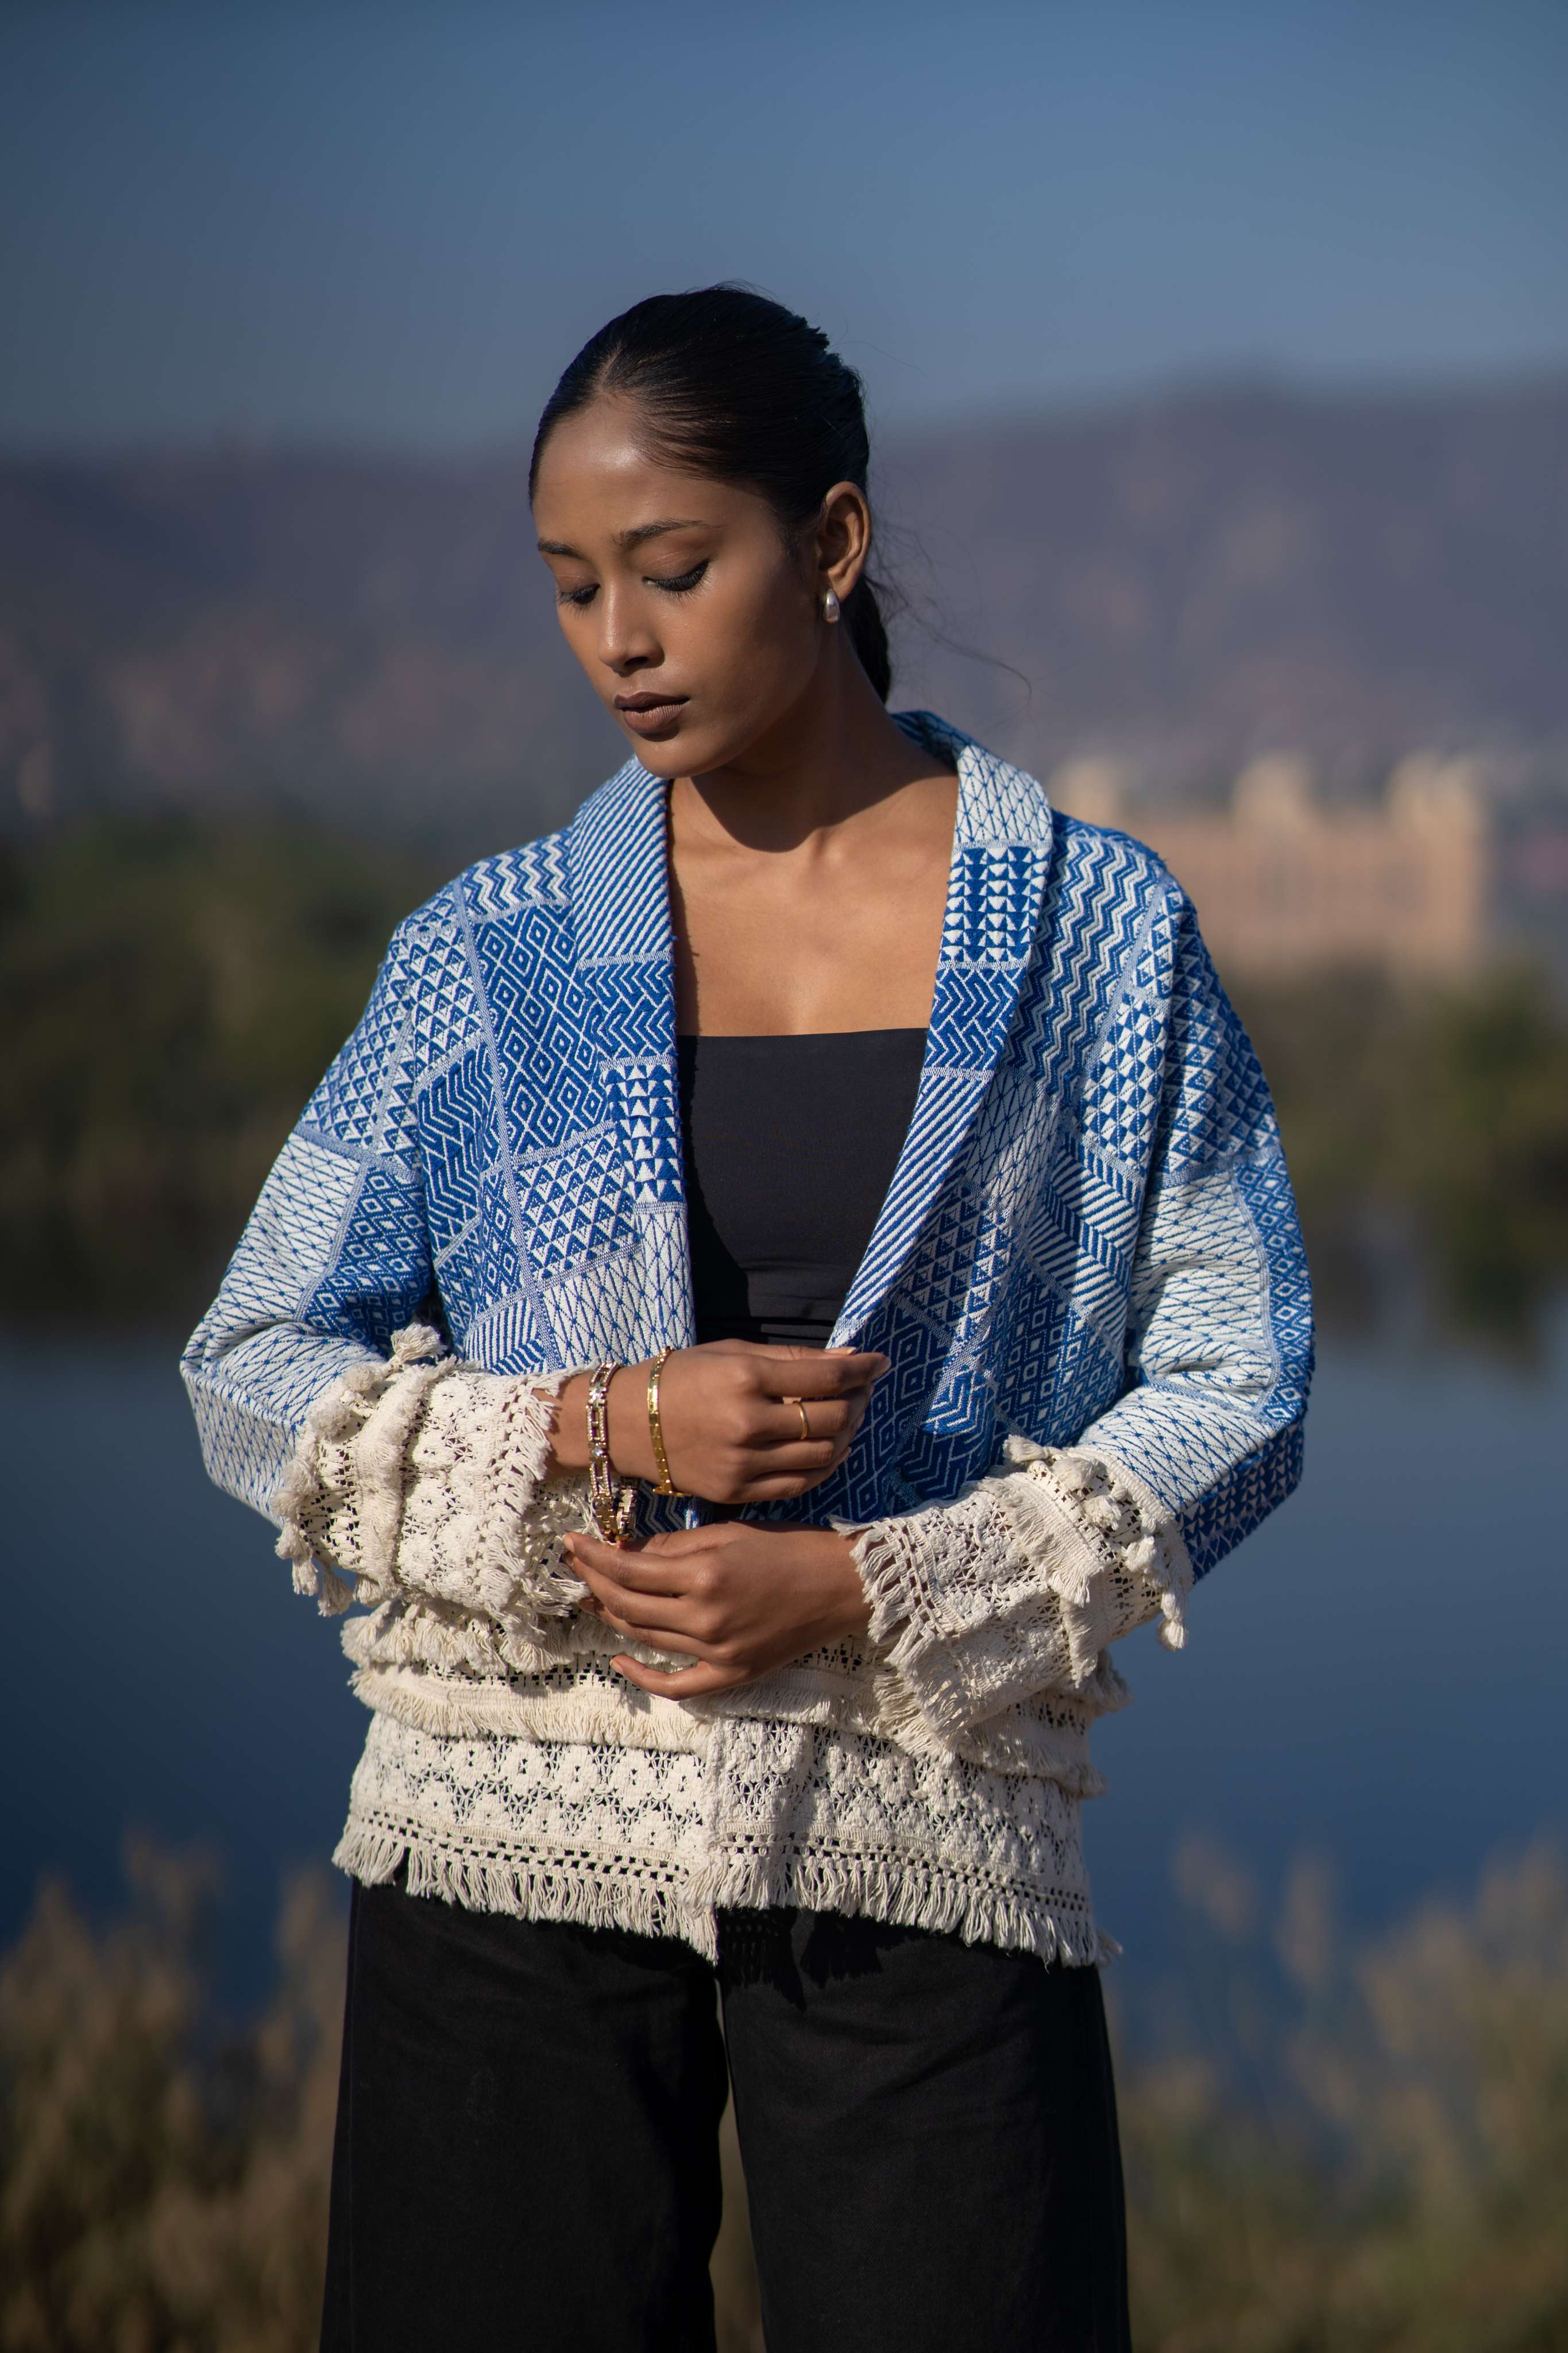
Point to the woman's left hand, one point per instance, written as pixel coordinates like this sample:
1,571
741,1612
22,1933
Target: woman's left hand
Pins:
740,1598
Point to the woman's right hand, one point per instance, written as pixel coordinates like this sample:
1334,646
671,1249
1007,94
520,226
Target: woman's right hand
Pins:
732,1434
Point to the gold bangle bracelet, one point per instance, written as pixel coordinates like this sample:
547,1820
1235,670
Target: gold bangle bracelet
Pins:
665,1484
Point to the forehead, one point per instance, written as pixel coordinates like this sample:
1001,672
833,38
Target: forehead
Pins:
596,478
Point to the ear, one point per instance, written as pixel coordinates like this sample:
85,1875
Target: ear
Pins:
842,540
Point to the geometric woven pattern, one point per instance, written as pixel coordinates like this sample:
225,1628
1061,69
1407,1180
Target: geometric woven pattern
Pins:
1088,1237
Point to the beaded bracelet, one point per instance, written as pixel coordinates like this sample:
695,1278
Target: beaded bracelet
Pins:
613,1501
665,1484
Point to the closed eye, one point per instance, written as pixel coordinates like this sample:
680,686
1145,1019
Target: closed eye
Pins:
678,583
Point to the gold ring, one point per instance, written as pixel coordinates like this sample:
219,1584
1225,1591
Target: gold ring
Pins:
805,1424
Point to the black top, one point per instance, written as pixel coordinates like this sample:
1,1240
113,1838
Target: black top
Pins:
790,1147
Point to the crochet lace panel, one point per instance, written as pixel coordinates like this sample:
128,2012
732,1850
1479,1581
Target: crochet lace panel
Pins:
425,1475
422,1478
758,1814
1021,1584
930,1773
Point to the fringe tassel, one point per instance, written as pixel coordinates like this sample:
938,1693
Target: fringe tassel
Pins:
338,1415
380,1456
369,1419
614,1714
529,1888
421,1631
622,1895
906,1897
332,1420
1143,1534
1084,1524
916,1700
1041,1741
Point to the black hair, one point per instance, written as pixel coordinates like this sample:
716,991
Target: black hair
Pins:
736,386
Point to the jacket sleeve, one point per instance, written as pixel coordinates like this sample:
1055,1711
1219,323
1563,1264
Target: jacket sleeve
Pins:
321,1399
1021,1583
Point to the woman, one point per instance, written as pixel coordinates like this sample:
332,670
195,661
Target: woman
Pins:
855,1167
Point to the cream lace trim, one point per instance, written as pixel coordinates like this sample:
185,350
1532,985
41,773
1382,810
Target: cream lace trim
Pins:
931,1773
1044,1738
425,1475
422,1479
660,1842
1021,1584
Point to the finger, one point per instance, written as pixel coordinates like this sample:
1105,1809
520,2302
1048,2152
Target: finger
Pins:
692,1682
605,1565
778,1447
819,1375
802,1465
764,1348
778,1424
774,1488
667,1638
797,1348
812,1461
585,1552
652,1618
664,1542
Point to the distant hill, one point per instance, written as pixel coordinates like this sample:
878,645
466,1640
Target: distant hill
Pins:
1185,581
1202,578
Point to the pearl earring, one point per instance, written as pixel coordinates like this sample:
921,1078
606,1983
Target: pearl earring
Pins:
831,608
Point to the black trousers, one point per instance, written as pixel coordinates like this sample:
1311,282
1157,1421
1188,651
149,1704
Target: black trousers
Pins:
527,2161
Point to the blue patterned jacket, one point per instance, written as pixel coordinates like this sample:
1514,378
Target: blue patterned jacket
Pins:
1090,1236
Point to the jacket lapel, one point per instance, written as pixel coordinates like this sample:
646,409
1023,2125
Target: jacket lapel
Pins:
1001,855
617,860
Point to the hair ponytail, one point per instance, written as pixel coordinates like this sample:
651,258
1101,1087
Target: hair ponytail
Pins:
734,385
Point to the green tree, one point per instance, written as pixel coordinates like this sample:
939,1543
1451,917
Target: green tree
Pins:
170,993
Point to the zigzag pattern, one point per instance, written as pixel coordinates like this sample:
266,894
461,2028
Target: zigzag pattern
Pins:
535,875
634,1019
460,1145
1089,1233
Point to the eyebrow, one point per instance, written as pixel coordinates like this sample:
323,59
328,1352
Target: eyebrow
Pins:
633,538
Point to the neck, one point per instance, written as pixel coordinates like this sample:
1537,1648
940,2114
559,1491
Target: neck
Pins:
834,756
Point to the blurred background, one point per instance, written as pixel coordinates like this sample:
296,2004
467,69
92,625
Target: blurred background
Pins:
1219,359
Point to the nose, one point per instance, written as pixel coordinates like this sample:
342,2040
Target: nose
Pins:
626,639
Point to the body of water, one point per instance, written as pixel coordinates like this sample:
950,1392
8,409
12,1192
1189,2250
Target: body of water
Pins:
1376,1677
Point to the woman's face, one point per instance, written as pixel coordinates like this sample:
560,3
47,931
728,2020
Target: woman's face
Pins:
699,626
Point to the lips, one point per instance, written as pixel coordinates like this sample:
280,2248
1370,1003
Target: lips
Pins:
650,714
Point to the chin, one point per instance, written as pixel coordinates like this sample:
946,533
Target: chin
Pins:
669,759
687,751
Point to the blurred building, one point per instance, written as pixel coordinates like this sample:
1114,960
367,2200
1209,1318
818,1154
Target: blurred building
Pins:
1285,882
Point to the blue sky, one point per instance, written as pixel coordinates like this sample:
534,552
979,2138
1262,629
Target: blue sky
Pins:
379,222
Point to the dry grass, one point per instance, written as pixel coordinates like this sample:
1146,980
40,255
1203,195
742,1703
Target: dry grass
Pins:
162,2186
1403,2185
1399,2184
